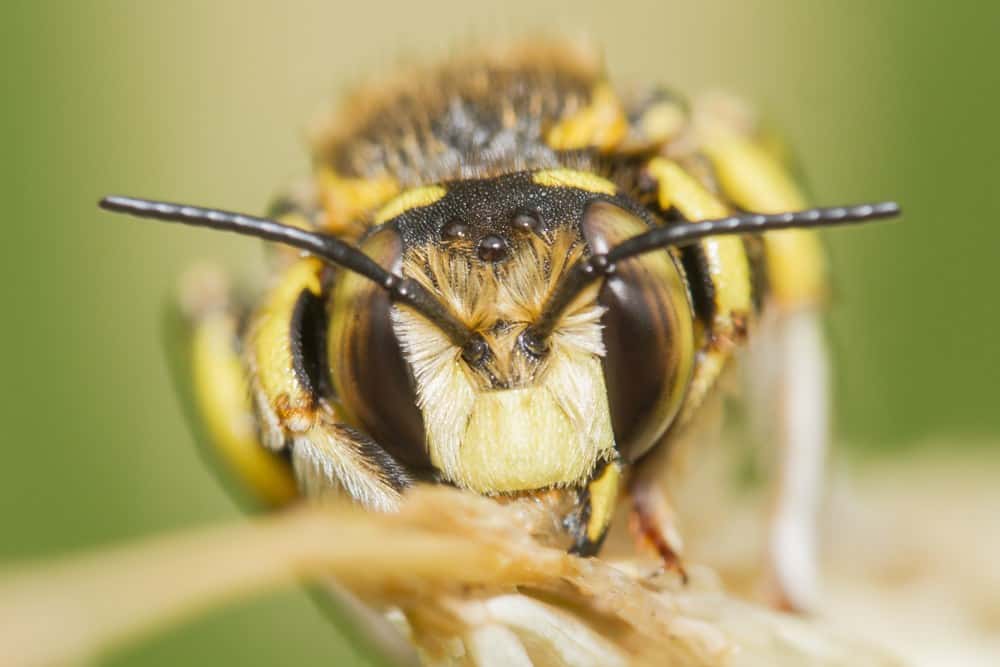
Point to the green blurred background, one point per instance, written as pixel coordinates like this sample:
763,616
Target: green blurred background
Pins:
206,102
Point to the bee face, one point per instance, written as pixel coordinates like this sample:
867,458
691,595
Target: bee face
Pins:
507,418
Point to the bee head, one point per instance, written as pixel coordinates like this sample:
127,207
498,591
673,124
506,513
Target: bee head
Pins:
504,409
497,415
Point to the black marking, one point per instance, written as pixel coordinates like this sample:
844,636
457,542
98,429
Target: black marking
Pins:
307,335
577,524
391,471
760,287
700,283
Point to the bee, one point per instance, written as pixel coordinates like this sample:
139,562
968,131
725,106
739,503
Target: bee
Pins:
516,279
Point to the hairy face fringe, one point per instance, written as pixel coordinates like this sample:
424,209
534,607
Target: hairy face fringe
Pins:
513,423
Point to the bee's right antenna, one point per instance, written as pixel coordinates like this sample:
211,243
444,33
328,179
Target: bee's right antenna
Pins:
586,270
401,290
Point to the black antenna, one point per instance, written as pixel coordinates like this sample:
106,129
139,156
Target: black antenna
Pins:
589,269
335,251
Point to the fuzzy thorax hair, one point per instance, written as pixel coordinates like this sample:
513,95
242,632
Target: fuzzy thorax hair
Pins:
515,423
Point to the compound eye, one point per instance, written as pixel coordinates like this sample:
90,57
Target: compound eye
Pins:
648,332
370,377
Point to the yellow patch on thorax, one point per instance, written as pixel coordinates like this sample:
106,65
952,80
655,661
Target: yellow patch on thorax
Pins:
662,121
602,124
346,201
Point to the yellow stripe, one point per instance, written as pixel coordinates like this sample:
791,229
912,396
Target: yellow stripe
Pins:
727,261
222,397
410,199
603,498
570,178
601,124
271,340
756,181
347,201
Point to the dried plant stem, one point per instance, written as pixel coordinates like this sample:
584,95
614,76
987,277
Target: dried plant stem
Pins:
473,585
103,599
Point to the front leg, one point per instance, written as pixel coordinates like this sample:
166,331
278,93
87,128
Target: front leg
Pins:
284,351
597,507
204,329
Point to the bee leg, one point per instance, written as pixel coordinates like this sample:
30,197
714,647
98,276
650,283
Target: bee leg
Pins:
653,525
333,459
597,507
285,349
723,305
755,180
203,342
799,411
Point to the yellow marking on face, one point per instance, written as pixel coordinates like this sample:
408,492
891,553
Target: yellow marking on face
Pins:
601,124
348,200
756,181
603,499
524,439
271,345
222,397
409,199
570,178
727,260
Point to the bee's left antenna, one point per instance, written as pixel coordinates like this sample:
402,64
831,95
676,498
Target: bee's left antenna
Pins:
333,250
678,235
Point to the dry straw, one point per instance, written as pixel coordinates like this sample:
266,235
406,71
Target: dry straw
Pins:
461,577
